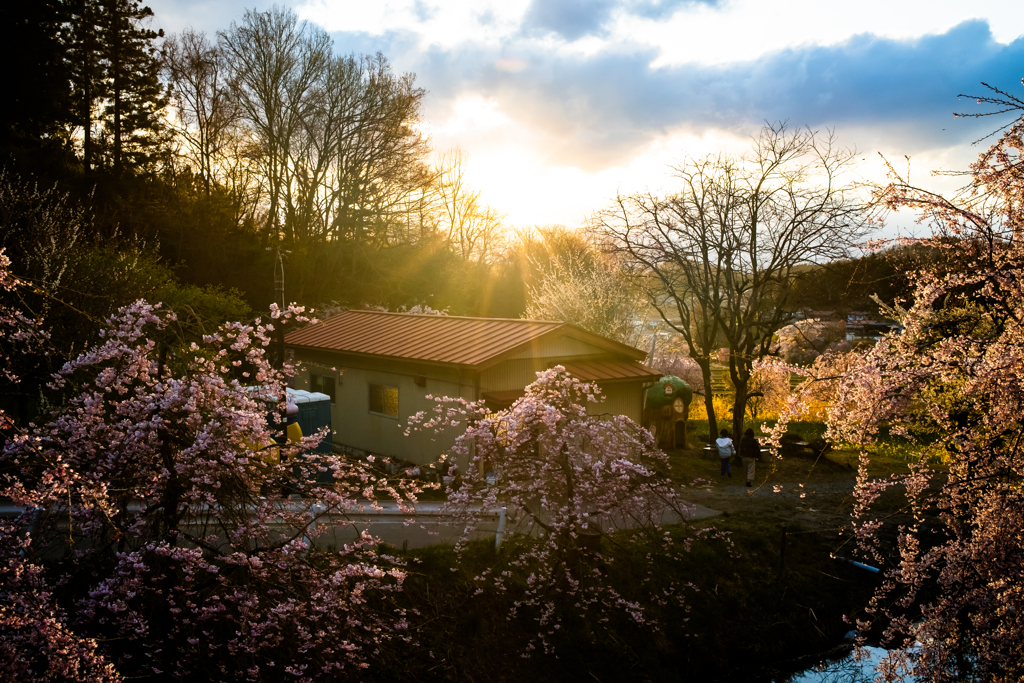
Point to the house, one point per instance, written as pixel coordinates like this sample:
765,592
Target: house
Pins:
861,326
378,368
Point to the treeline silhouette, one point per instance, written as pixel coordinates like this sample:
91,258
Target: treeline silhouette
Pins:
177,167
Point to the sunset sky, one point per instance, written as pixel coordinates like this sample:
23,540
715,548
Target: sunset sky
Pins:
559,104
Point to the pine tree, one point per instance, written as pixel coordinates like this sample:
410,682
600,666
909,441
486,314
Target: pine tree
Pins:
36,87
135,95
115,71
87,71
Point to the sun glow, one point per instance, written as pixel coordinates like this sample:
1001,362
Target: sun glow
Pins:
520,181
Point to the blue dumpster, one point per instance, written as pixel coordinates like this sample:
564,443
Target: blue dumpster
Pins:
314,414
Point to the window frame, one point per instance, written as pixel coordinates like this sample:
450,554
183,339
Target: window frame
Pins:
369,400
312,385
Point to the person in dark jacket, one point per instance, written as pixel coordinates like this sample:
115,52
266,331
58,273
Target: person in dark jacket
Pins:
750,451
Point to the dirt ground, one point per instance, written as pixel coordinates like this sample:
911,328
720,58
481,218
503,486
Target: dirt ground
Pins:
815,494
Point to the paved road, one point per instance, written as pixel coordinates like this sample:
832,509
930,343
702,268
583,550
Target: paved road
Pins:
429,525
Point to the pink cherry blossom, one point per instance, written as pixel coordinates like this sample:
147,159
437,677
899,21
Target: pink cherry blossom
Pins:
184,542
951,385
575,486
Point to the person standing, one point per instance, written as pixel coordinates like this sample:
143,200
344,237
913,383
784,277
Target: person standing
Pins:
725,451
750,451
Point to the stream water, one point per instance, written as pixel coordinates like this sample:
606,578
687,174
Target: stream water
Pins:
848,669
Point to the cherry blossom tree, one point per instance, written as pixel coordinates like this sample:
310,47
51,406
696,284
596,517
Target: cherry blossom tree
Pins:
167,535
953,596
805,340
595,295
769,389
36,642
576,487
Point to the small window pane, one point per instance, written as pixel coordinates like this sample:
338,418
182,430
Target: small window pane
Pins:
384,400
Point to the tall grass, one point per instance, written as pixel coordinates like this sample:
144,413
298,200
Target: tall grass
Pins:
741,615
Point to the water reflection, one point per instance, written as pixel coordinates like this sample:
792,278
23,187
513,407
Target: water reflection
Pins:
848,669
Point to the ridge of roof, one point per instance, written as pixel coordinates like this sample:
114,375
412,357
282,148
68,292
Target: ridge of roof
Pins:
445,316
448,340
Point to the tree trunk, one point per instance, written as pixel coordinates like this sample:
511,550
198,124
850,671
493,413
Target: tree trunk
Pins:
740,377
739,407
709,396
87,124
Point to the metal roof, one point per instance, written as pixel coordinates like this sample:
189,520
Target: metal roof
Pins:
469,342
610,371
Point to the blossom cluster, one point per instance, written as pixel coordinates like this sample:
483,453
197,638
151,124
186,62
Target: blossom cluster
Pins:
576,487
950,385
167,533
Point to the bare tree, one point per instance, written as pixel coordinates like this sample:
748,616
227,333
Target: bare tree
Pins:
276,67
674,245
719,258
337,140
205,113
42,229
471,227
379,174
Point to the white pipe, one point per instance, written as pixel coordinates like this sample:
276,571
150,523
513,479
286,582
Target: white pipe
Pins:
314,511
501,529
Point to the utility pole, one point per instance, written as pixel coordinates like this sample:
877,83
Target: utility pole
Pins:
279,255
279,275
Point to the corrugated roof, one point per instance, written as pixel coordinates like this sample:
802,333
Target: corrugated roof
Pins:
473,342
610,371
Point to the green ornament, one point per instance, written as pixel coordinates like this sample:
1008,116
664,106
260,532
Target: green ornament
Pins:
666,390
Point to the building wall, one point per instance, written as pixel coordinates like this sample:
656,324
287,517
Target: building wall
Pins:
356,427
621,398
512,374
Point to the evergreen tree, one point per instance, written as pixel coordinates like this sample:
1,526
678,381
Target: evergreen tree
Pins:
115,71
36,87
135,95
87,71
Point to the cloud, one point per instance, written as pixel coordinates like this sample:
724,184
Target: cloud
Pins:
574,19
174,16
570,19
662,9
571,94
596,110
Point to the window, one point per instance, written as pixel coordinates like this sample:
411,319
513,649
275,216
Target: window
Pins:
322,384
384,400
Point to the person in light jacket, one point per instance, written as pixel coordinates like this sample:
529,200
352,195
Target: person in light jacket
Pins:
750,451
725,451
